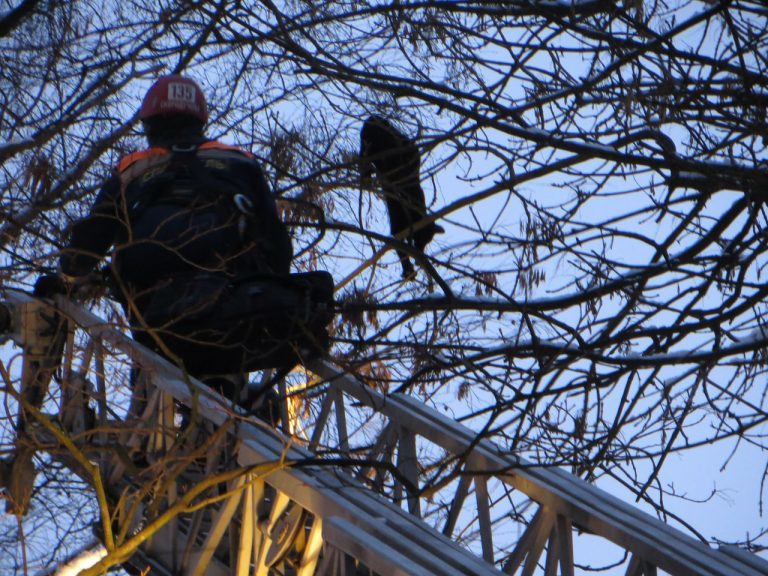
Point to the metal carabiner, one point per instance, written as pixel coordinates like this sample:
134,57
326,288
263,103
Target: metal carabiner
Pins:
179,148
244,204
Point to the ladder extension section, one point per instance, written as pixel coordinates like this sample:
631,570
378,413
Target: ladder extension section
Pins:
352,485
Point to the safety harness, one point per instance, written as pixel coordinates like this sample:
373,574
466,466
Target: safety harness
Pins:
182,175
221,323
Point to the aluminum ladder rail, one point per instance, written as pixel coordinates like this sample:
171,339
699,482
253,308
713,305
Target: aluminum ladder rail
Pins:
565,502
285,511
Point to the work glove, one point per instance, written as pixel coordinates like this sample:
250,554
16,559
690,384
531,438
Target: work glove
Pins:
50,285
76,287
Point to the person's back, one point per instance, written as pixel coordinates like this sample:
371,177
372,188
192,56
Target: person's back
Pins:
184,205
197,208
200,257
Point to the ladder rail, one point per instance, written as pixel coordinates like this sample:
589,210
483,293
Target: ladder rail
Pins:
325,492
567,500
588,506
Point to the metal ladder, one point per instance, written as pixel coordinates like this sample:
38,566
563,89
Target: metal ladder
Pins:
357,483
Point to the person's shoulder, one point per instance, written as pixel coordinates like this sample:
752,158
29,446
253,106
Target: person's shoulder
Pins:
218,146
140,157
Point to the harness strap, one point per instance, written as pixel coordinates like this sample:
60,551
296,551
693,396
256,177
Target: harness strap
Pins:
153,161
158,152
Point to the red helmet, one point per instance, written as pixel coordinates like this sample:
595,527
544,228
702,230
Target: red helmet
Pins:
174,95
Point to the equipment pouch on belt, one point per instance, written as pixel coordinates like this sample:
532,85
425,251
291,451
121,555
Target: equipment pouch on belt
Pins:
223,326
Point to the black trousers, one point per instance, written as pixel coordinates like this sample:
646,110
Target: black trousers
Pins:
213,325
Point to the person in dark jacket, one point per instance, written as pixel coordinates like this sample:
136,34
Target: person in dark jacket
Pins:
199,256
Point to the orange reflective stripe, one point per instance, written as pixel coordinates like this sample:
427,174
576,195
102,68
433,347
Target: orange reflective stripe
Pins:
127,161
216,145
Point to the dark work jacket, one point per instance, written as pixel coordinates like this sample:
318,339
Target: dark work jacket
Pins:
161,227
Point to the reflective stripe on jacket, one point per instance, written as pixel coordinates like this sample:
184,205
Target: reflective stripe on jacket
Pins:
139,163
